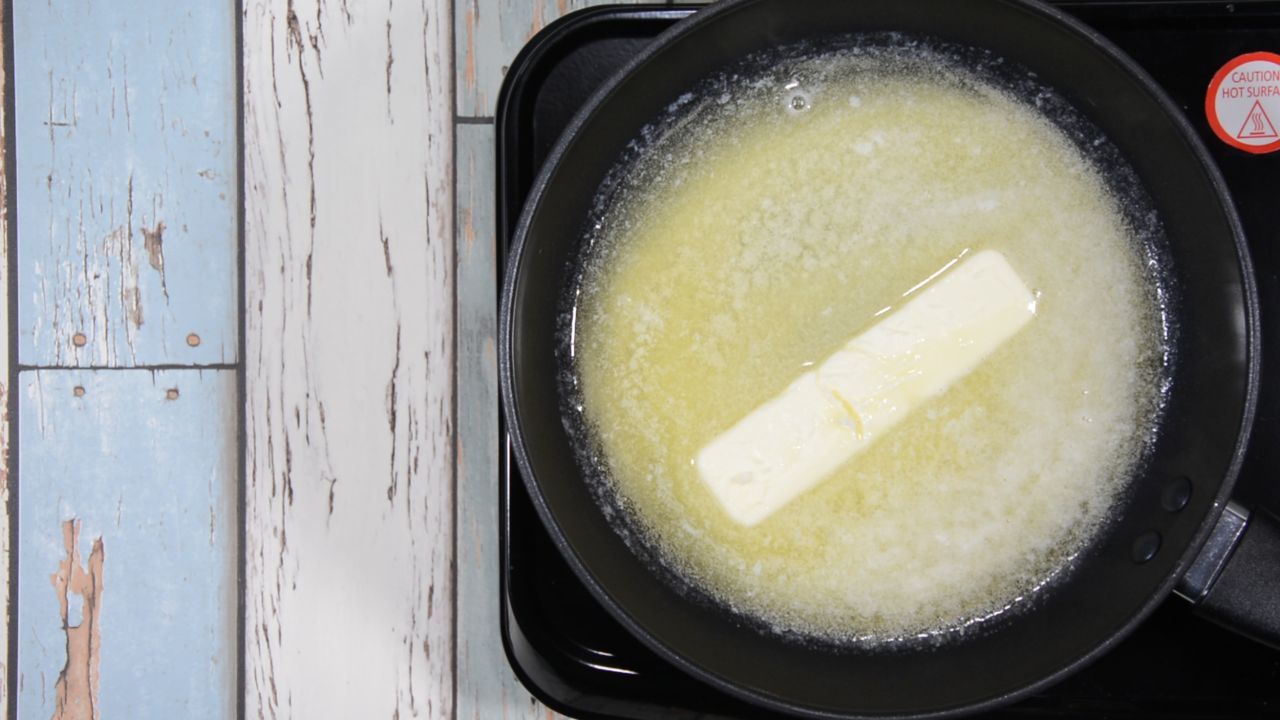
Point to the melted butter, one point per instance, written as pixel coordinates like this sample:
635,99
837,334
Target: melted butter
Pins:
828,415
765,245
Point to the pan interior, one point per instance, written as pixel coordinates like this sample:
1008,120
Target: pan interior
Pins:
792,200
1108,593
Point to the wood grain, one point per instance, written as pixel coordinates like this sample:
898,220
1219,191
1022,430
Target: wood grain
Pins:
125,170
127,581
4,384
125,127
349,368
486,686
77,693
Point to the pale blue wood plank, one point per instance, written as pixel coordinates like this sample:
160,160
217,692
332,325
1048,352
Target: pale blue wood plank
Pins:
153,477
125,121
486,687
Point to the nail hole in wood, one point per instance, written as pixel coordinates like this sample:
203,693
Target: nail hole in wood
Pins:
193,339
78,391
171,393
79,339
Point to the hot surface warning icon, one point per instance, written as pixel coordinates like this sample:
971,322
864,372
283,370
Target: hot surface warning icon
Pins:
1257,124
1244,101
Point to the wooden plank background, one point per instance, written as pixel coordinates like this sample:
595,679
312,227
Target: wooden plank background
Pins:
5,395
365,396
349,359
480,658
125,324
127,596
126,171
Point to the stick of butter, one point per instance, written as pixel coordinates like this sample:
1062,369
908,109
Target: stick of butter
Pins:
793,441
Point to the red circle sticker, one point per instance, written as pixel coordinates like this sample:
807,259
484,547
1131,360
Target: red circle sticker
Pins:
1243,103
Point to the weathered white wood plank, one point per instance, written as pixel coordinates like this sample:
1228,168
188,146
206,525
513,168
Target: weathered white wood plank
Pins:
486,686
127,588
488,35
125,121
349,289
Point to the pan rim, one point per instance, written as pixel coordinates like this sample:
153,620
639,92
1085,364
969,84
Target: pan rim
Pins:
512,412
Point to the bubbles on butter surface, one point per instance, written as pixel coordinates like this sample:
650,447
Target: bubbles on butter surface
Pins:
742,251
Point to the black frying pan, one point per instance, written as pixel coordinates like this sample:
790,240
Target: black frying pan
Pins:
1129,569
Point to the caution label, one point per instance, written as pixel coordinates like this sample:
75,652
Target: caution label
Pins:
1243,103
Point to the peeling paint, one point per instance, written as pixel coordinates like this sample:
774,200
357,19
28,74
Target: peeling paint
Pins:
155,480
365,364
4,401
154,245
76,691
118,246
490,356
104,150
469,71
468,232
390,61
538,22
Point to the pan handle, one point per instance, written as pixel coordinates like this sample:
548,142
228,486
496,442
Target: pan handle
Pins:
1235,581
